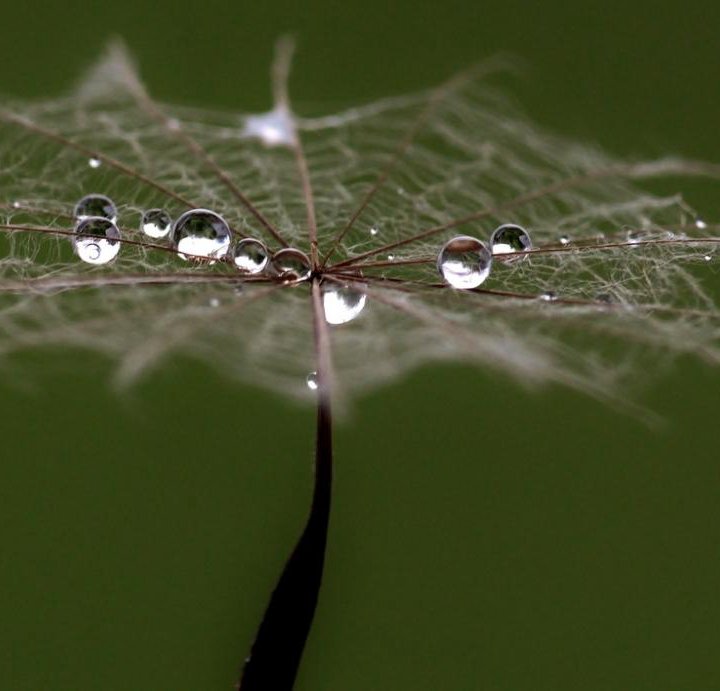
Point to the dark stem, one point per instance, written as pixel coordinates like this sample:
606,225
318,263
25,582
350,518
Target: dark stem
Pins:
278,647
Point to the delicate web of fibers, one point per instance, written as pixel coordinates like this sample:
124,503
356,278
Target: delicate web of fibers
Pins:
619,301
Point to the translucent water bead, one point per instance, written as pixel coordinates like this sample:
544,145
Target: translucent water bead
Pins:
509,239
341,303
251,256
97,240
95,206
290,264
156,223
200,234
464,262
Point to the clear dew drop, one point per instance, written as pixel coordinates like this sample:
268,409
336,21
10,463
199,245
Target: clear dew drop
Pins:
509,238
214,302
95,206
342,304
700,223
290,264
564,240
635,237
548,296
94,162
707,258
312,381
391,257
156,223
201,234
251,256
97,240
464,262
374,231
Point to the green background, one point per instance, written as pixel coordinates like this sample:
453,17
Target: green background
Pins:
483,537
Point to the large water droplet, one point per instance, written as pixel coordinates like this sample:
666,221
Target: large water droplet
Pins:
290,264
96,206
251,256
156,223
312,381
464,262
201,233
342,303
103,247
509,238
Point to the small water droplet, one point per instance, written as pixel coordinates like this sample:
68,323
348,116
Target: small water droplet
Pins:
548,296
312,381
16,205
201,233
509,238
464,262
564,240
95,206
97,240
374,231
156,223
391,257
635,237
290,264
214,302
707,258
342,303
251,256
605,298
700,223
94,162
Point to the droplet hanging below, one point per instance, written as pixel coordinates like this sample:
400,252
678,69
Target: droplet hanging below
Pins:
342,304
464,262
97,241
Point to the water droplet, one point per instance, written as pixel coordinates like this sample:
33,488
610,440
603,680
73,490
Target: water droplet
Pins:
564,240
201,233
290,264
312,381
548,296
391,257
635,237
700,223
16,205
251,256
464,262
707,258
94,162
342,303
156,223
604,298
214,302
509,238
103,244
95,206
374,231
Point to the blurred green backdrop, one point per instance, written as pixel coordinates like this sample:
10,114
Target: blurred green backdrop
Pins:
497,540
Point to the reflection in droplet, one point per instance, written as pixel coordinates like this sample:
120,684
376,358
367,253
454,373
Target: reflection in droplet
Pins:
342,303
97,240
156,223
509,238
312,381
94,162
251,256
201,233
95,206
464,262
290,264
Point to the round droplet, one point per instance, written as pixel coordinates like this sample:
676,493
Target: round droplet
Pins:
214,302
374,231
312,381
564,240
94,162
707,258
509,238
548,296
97,241
391,257
201,234
342,303
464,262
156,223
700,223
636,237
96,206
251,256
290,264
